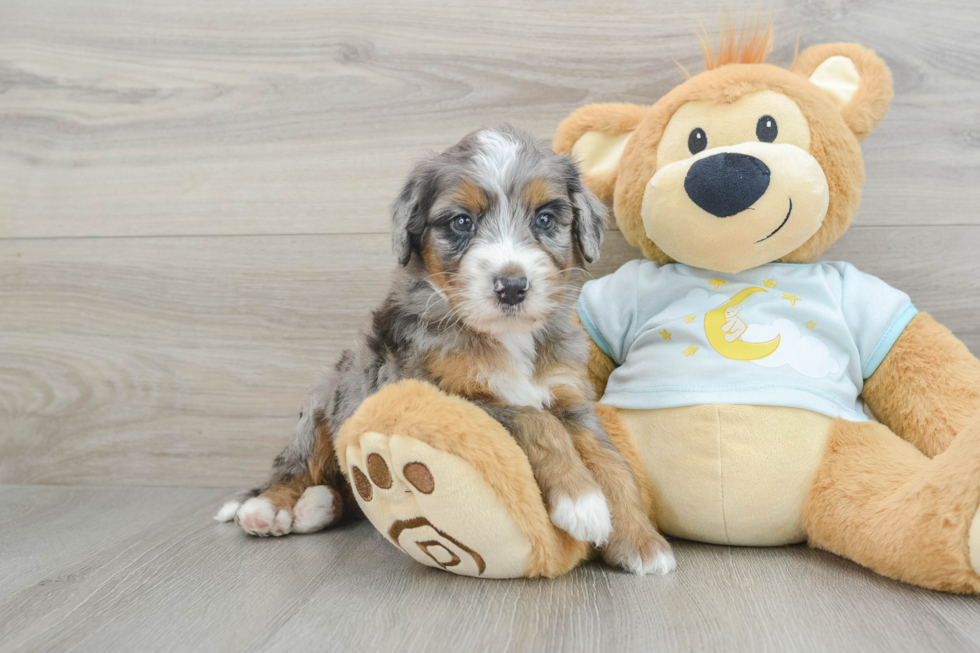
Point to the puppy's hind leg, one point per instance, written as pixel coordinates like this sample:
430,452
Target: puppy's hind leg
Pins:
306,492
326,495
305,496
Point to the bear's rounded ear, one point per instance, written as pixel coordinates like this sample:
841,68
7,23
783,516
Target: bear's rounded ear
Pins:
595,137
855,77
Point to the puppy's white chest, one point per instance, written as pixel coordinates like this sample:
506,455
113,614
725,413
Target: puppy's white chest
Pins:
516,384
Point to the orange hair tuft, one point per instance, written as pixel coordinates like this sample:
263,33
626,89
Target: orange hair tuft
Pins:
753,44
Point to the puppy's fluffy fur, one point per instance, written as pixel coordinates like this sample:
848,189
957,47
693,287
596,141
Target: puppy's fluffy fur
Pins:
491,236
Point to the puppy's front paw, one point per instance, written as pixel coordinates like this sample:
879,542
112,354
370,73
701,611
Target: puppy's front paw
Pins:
586,518
659,563
663,563
258,516
648,554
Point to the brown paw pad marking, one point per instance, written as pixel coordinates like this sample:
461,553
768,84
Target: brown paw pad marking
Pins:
362,484
448,545
378,471
419,475
432,544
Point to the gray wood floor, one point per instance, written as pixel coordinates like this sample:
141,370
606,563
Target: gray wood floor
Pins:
193,221
145,569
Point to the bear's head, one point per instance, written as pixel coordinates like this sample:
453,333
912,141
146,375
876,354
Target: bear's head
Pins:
741,165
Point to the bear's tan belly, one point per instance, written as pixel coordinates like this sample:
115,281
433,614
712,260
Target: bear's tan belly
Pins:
730,474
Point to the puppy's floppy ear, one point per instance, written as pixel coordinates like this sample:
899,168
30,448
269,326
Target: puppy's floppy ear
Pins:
410,212
589,222
855,77
596,135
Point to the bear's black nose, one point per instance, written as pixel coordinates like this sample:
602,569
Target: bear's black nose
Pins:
727,183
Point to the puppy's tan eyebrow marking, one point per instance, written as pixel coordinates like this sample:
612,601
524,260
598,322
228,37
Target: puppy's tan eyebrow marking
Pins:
471,197
557,204
537,192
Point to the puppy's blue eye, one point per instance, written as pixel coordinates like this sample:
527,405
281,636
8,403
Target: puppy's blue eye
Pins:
462,223
544,220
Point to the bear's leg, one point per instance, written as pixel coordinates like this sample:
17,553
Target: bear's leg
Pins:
879,501
447,484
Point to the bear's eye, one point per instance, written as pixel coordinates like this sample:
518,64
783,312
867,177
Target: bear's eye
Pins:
766,130
697,141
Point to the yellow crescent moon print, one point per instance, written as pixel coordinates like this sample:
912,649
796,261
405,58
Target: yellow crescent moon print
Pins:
738,350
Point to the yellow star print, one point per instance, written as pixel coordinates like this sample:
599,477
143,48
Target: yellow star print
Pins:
769,283
690,351
717,283
811,324
792,298
665,334
689,318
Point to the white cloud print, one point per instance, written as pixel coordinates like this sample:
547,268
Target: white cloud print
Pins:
805,354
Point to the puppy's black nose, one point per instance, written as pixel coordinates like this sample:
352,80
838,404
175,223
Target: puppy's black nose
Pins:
727,183
510,290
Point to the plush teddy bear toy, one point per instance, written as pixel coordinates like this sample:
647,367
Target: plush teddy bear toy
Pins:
733,371
731,186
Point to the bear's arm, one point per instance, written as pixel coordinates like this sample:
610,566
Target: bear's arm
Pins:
927,387
599,366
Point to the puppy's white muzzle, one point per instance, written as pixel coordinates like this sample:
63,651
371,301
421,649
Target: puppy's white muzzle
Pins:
480,274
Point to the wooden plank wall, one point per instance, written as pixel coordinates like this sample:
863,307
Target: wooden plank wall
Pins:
193,196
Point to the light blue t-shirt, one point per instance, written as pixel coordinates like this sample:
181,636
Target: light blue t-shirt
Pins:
804,336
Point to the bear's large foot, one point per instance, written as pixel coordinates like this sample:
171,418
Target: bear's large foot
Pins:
446,484
881,502
434,507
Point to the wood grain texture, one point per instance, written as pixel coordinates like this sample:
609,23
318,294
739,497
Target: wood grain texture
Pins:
193,198
170,360
231,117
170,579
184,361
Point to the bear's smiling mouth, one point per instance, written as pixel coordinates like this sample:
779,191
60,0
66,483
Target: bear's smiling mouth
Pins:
781,224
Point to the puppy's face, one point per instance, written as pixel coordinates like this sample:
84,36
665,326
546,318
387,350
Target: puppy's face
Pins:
498,222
